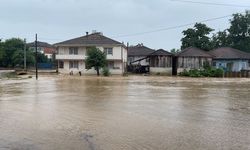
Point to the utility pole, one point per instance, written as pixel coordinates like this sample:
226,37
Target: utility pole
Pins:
24,59
36,57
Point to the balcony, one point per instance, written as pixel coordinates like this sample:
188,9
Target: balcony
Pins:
70,57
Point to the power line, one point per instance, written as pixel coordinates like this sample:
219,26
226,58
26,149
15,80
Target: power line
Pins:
209,3
173,27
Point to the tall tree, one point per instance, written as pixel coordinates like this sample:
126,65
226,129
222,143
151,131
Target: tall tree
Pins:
95,58
10,46
239,31
197,37
221,39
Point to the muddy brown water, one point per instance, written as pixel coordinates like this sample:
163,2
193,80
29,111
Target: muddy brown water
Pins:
124,113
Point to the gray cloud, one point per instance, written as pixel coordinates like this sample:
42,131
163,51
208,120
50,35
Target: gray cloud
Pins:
58,20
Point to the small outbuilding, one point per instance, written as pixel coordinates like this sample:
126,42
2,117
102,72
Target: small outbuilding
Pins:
193,58
160,61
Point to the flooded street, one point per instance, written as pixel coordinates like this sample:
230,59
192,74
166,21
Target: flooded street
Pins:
124,113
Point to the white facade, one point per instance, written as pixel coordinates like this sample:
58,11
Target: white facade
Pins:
76,62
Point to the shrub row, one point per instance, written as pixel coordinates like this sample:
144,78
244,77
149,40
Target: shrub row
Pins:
207,72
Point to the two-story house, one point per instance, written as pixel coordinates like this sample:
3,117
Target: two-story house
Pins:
71,54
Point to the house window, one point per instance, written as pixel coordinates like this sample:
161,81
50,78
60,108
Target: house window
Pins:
61,64
73,50
108,51
73,64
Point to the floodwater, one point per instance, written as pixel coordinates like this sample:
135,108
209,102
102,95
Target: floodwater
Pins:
124,113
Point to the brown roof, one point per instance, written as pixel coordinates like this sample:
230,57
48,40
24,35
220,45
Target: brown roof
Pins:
193,52
89,40
48,50
229,53
40,44
139,50
161,52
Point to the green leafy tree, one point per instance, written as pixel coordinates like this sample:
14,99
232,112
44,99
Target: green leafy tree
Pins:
18,58
96,58
197,37
174,51
41,58
221,39
239,31
10,46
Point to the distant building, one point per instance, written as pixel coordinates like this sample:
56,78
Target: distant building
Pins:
44,48
193,58
137,55
230,59
72,53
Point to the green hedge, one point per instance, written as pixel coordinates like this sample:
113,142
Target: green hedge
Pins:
206,72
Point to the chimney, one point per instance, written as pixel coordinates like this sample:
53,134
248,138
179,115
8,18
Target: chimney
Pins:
87,33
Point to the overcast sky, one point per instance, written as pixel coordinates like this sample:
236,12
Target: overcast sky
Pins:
59,20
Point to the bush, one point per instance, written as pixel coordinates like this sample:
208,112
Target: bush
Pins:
206,72
106,71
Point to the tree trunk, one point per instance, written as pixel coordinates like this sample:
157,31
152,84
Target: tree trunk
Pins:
97,71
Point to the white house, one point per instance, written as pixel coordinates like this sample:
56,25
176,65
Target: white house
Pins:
71,54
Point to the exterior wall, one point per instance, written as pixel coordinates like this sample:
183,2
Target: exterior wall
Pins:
161,61
143,62
231,65
155,70
193,62
119,55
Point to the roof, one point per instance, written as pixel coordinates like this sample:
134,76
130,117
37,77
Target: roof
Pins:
48,50
229,53
161,52
89,40
40,44
139,50
193,52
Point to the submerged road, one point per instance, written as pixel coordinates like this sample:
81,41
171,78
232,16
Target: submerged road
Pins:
124,113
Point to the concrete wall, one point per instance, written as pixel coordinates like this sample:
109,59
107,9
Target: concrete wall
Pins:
155,70
81,67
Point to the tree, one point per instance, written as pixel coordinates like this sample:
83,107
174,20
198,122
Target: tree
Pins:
1,52
197,37
239,31
10,46
96,58
18,58
12,53
221,39
174,51
41,58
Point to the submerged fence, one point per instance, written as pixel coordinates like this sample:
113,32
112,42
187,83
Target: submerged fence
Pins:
242,74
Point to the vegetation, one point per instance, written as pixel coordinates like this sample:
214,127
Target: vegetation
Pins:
96,58
12,54
197,37
175,51
207,71
236,36
105,71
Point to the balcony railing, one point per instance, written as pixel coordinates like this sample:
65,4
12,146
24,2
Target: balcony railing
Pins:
71,57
